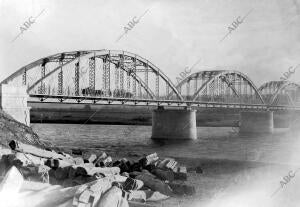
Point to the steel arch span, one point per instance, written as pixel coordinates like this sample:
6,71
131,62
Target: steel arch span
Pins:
97,73
282,93
226,86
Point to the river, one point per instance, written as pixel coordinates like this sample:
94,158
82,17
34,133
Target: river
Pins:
212,143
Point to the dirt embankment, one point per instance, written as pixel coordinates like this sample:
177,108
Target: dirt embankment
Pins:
10,129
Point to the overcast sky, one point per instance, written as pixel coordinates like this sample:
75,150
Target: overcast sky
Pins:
173,34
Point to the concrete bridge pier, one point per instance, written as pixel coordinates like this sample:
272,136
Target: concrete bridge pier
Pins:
174,124
256,122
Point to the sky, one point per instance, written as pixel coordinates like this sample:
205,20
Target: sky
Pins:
172,34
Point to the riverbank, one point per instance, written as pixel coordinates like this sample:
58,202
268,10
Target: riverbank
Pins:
227,183
11,129
233,183
224,182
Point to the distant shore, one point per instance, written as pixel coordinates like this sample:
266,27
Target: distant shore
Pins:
130,115
120,115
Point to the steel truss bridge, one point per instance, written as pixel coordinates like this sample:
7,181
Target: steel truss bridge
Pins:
120,77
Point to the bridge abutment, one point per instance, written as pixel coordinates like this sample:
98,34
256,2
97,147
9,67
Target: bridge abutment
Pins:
13,101
256,122
174,124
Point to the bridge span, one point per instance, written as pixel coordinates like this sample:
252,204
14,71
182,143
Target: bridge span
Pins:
115,77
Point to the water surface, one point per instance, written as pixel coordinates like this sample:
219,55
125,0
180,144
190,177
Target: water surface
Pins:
213,142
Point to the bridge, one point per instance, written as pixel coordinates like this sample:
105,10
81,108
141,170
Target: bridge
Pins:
120,77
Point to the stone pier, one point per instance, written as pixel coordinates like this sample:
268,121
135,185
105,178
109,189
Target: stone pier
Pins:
175,124
256,122
13,101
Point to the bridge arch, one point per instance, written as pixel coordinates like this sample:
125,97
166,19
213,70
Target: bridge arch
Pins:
117,61
32,65
281,93
220,85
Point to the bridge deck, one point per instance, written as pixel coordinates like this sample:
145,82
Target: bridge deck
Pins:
150,102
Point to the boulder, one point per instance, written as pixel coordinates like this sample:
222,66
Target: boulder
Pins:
107,162
132,184
91,170
78,160
56,163
171,164
100,158
180,173
62,173
155,196
114,197
125,174
123,164
104,170
10,187
72,172
79,171
155,184
3,165
137,195
136,167
28,159
167,163
52,163
54,181
38,173
79,180
163,174
12,181
4,151
30,149
149,159
92,158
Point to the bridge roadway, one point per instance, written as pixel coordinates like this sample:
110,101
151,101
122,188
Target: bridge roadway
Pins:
34,98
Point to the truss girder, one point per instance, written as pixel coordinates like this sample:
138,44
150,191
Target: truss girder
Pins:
137,67
273,91
219,83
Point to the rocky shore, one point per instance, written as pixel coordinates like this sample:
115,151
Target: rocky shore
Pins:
123,181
